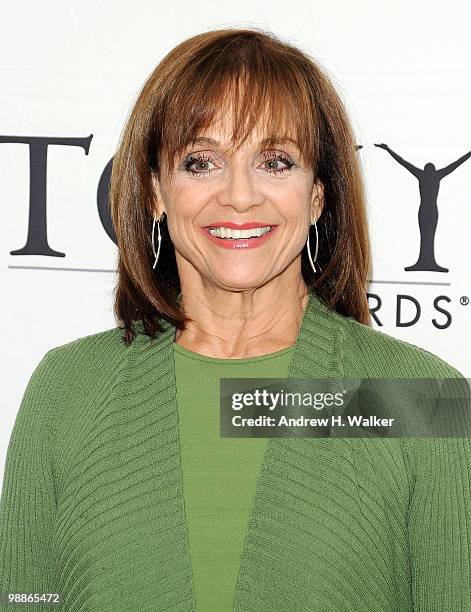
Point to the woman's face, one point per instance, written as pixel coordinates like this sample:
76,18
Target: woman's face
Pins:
262,185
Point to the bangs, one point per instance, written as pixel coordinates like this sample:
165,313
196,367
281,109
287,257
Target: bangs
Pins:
247,88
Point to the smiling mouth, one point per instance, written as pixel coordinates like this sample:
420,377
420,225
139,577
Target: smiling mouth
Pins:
228,233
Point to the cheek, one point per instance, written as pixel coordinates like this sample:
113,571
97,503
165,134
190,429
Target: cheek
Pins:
293,203
188,195
183,203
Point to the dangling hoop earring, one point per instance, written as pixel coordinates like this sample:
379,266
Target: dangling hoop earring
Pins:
309,248
159,239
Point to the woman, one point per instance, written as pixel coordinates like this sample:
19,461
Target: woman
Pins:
239,211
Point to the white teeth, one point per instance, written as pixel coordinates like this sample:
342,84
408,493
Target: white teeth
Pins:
227,232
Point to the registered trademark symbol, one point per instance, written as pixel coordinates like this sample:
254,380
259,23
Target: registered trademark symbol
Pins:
464,300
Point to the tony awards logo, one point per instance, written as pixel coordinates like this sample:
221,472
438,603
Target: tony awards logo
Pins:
429,183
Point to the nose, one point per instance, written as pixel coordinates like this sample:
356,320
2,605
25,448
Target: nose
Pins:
240,189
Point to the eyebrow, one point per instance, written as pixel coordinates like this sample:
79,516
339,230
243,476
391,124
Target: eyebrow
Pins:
271,140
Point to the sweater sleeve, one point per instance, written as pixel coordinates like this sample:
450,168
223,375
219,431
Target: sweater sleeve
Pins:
439,521
27,503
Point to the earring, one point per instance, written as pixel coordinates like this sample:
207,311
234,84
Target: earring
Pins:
309,248
159,239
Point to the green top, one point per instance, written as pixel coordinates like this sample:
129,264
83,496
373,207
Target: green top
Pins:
92,504
219,474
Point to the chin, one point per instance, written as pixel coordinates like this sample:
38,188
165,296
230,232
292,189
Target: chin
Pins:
245,282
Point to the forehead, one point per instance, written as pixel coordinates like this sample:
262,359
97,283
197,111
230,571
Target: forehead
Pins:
224,141
221,135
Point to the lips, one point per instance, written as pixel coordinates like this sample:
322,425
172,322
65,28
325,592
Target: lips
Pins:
239,243
232,225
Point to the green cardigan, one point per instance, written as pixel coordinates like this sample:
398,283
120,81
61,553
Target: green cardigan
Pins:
92,504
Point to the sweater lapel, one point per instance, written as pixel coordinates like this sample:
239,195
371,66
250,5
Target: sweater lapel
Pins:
318,353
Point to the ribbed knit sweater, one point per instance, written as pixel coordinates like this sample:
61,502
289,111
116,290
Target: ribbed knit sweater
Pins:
92,503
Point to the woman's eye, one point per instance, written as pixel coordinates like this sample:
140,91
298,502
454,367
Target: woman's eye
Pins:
273,160
200,163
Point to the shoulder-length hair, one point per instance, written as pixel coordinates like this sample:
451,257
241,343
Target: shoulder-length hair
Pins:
268,81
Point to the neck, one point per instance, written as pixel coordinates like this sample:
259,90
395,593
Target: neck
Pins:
242,324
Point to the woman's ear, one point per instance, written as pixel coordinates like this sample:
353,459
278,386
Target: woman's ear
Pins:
317,201
159,207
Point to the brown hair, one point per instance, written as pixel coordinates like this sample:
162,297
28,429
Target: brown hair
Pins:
257,72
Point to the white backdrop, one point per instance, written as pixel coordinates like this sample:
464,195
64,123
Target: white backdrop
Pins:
72,70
